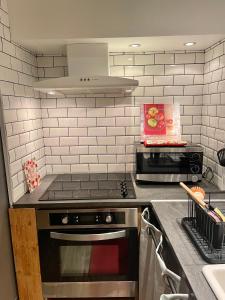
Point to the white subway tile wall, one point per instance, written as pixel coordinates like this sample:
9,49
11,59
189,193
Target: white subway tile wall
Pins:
213,110
21,105
97,133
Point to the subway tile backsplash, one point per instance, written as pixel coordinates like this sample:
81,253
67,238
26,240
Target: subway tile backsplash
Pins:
97,133
21,105
213,110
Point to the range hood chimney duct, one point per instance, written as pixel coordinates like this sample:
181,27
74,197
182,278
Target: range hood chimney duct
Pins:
87,59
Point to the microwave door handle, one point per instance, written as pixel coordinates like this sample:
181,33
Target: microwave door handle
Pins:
88,237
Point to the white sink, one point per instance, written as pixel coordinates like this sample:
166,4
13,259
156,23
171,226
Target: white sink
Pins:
215,275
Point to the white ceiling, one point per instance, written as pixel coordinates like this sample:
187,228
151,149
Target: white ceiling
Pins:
159,43
45,26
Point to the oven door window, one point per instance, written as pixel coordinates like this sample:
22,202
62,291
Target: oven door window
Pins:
78,256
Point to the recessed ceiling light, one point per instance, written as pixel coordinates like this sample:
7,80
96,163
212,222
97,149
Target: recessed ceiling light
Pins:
51,93
135,45
189,44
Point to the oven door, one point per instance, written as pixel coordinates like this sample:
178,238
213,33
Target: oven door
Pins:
89,262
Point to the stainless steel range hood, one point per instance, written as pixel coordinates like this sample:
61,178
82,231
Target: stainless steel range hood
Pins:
88,74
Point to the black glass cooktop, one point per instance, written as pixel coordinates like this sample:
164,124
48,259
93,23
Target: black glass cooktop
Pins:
90,186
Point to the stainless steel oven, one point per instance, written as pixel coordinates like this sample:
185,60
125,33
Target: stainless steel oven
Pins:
88,252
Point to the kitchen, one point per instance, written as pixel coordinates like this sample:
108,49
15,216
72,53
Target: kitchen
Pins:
97,133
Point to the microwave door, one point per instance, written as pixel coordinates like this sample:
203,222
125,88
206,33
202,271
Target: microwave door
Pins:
162,163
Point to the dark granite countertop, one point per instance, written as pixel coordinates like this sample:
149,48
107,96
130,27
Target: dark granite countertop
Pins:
145,194
169,215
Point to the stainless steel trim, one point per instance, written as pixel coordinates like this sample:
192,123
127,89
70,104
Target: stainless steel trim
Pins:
131,218
88,237
106,289
140,148
167,177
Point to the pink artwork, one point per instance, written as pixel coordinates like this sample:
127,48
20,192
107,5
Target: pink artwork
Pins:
160,125
155,120
31,174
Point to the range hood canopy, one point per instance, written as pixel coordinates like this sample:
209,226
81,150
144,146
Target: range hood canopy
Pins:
88,74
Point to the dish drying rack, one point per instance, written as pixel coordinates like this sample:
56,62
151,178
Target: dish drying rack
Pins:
207,234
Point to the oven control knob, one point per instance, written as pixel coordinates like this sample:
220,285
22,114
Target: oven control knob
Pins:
108,219
65,220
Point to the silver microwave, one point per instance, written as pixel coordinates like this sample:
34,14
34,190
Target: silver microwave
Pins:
169,164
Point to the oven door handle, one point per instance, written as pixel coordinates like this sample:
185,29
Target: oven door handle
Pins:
88,237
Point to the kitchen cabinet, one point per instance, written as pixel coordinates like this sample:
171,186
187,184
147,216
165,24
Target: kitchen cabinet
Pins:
163,273
26,254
